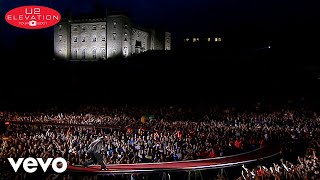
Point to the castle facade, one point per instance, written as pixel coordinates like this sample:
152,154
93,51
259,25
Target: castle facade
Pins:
104,38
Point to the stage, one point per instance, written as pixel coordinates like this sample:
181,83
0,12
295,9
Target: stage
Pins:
201,164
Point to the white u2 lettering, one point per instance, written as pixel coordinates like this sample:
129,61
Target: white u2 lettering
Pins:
33,11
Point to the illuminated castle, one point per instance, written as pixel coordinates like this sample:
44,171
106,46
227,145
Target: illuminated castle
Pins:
103,38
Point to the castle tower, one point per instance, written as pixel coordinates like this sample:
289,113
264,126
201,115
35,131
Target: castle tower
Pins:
62,40
118,36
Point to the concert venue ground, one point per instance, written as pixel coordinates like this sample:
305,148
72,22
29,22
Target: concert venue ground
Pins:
241,91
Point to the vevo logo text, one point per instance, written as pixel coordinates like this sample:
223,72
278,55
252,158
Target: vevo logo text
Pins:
30,165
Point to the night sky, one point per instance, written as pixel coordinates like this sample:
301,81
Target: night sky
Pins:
268,19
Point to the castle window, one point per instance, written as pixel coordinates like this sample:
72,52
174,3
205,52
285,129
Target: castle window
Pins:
125,26
125,39
94,27
103,27
103,38
114,24
83,28
84,54
94,39
103,52
60,37
60,27
209,39
83,39
125,34
75,54
217,39
125,50
94,54
75,39
114,36
194,39
75,28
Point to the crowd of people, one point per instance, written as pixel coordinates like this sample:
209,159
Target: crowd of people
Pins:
161,134
307,167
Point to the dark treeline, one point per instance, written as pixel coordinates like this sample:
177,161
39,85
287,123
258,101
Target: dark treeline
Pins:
159,77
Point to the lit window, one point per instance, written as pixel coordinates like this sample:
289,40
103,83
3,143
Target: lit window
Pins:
209,39
194,39
83,39
103,38
114,36
187,39
84,54
94,54
94,39
94,27
103,52
197,39
125,34
217,39
125,50
75,39
75,54
60,38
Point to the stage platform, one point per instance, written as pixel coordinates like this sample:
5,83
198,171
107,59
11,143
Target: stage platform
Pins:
201,164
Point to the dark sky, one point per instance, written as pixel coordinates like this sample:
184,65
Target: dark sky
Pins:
264,17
